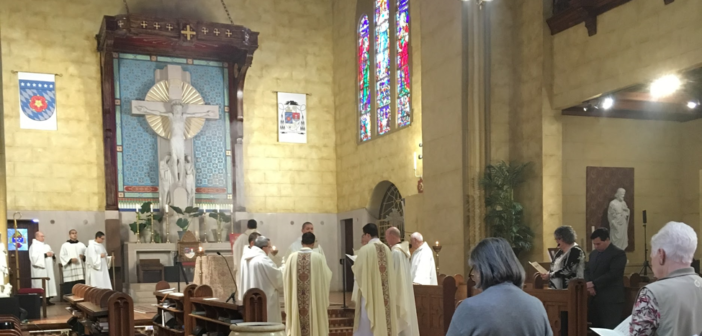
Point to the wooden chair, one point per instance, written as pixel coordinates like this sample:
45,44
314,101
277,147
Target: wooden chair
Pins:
435,306
149,266
573,301
255,306
38,291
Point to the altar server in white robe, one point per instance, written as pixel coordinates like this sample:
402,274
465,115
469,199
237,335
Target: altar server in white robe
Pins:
423,266
72,256
42,258
238,247
407,314
262,273
377,287
249,252
307,279
97,263
297,245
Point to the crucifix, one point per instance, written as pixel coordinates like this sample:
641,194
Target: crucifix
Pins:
188,32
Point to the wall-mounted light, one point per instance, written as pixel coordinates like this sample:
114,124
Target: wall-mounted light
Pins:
692,105
607,103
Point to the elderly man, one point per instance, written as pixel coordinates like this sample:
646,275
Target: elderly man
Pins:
673,304
297,245
72,256
262,273
423,266
307,280
407,323
604,274
238,251
376,297
42,259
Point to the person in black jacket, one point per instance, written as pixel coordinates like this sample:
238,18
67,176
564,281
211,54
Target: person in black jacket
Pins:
605,281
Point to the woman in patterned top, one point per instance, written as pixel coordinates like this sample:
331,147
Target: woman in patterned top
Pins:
569,262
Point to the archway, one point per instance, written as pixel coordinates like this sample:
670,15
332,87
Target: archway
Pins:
388,206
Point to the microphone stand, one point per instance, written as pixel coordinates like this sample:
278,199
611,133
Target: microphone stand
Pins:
646,265
176,262
233,295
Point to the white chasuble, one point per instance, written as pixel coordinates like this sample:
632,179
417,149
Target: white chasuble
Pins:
97,266
407,313
262,273
72,270
296,246
423,266
241,243
307,279
42,267
377,291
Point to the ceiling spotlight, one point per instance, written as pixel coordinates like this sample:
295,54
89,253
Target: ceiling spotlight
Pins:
585,108
692,105
607,103
665,86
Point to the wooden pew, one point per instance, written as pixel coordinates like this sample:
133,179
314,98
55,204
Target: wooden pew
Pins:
435,306
180,311
216,315
17,326
573,301
111,308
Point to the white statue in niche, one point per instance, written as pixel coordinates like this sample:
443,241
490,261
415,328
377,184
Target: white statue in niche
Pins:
190,180
618,217
4,271
166,179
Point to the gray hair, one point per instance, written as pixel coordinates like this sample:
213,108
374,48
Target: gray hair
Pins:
566,233
261,242
678,240
418,236
495,262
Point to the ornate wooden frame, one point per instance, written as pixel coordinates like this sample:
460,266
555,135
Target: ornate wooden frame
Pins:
231,44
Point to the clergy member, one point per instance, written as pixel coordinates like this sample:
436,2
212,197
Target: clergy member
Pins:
249,252
407,323
238,251
72,256
97,263
377,287
297,245
307,279
262,273
42,258
423,266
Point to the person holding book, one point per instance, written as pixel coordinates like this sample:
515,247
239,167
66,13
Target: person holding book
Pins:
569,262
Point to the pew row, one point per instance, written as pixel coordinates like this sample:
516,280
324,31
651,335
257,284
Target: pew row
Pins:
210,314
11,326
435,306
176,304
102,311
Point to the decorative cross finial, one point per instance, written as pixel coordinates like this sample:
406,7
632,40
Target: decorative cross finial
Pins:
169,27
157,26
188,32
204,31
216,32
143,24
120,24
229,33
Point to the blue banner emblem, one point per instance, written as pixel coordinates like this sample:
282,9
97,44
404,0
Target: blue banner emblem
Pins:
37,99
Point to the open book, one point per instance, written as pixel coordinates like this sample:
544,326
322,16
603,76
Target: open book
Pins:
538,267
621,330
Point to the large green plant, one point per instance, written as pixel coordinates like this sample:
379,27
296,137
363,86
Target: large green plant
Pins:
505,216
184,216
143,219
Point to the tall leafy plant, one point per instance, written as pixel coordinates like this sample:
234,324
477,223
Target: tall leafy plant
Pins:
142,218
184,216
505,216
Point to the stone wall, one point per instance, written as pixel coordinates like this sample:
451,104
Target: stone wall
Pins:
63,170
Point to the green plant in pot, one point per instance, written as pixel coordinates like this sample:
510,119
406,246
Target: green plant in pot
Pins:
143,221
184,217
220,217
505,216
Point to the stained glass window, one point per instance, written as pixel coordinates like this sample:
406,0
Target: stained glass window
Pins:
382,64
364,97
403,76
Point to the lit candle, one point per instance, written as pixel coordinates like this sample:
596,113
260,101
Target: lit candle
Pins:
166,207
437,243
200,249
152,207
274,248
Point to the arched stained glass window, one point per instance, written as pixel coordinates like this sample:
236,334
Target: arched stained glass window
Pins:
364,96
403,71
382,65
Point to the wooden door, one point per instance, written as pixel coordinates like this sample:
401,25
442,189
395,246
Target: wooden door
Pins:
23,255
348,249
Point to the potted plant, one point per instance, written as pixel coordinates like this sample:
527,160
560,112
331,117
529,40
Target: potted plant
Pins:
184,217
144,221
220,217
505,216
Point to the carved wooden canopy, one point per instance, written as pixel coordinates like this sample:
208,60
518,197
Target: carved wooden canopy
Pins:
184,38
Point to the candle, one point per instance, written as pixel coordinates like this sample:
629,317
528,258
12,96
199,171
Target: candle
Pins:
437,243
166,207
275,248
152,207
200,248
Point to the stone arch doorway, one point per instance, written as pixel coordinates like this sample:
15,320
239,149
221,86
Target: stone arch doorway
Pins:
388,206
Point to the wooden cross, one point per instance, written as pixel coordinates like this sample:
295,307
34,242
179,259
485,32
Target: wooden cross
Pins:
204,30
229,34
216,32
169,27
157,26
120,24
143,24
188,32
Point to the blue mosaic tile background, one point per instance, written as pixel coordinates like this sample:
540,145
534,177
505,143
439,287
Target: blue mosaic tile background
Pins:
139,142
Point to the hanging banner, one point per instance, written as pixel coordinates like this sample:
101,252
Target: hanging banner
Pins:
292,117
37,97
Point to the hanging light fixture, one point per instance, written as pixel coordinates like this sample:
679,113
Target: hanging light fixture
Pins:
607,103
665,86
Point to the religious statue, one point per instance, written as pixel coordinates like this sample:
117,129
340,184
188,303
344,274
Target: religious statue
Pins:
6,291
190,180
4,271
618,217
166,179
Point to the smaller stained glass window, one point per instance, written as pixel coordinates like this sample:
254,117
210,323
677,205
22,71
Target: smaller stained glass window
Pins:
364,97
382,65
403,71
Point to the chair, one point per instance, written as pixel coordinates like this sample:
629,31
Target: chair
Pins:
39,291
153,268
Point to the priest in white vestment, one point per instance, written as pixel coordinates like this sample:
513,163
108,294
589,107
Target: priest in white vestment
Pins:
238,247
423,266
376,297
307,279
71,257
407,322
262,273
42,259
297,245
97,263
248,254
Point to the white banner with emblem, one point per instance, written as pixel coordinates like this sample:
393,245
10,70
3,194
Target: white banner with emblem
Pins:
292,117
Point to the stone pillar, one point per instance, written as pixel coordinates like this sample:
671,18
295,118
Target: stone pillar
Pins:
3,185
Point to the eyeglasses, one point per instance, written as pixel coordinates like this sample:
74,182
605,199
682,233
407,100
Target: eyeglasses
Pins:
471,275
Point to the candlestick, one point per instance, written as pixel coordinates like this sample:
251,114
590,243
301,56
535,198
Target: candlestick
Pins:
219,227
168,226
152,225
16,237
137,225
437,249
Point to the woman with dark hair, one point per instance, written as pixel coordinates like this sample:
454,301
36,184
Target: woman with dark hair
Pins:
503,308
569,262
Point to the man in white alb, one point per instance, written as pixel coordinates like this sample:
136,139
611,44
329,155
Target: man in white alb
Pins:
307,278
72,256
238,247
297,245
97,263
407,311
376,297
423,266
249,252
42,258
262,273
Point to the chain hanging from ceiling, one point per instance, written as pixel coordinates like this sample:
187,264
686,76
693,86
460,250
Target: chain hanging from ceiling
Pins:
227,11
127,7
